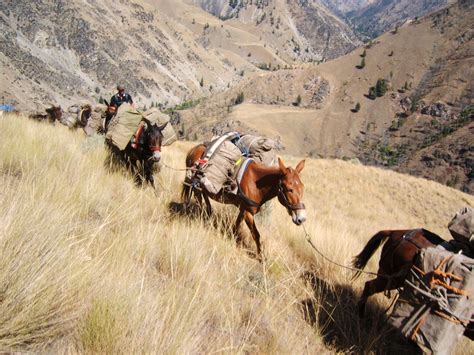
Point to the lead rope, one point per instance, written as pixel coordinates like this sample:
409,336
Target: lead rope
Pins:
308,239
175,169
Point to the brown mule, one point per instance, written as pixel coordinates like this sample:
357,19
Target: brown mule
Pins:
396,259
259,184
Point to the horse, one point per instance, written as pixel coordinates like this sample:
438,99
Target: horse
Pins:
396,259
259,184
141,152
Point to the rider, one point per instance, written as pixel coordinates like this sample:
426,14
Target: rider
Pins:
120,97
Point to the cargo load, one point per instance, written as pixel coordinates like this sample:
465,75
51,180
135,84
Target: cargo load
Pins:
436,304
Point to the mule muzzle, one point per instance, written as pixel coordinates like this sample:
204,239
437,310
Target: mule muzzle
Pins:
156,157
298,216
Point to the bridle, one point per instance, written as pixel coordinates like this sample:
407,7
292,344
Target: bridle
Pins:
291,207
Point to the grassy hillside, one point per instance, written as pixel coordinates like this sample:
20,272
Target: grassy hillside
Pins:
90,263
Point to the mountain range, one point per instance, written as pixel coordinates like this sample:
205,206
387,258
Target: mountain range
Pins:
296,65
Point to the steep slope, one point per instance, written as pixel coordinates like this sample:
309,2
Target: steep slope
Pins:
64,52
101,266
424,62
382,15
301,29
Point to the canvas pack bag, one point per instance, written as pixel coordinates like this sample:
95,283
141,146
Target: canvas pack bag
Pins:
95,122
154,115
220,168
259,148
123,126
436,304
461,226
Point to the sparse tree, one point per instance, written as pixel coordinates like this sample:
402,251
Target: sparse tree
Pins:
201,82
357,107
380,87
372,93
364,53
239,99
298,100
362,63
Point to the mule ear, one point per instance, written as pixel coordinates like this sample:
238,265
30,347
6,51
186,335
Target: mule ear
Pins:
300,166
162,127
282,166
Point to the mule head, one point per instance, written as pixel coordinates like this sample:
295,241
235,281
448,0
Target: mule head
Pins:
290,192
154,139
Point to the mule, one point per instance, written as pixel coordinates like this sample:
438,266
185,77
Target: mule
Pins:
396,259
142,152
53,114
259,184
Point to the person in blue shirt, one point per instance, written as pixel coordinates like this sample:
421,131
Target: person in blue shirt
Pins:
120,97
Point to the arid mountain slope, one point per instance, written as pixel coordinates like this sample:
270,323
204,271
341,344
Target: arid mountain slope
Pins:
382,15
64,52
425,62
300,29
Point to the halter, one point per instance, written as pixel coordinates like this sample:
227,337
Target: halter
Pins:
289,206
136,145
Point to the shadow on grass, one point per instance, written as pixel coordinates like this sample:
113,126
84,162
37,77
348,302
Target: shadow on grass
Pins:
222,220
333,312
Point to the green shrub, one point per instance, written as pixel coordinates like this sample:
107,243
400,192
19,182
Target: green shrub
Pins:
380,87
239,99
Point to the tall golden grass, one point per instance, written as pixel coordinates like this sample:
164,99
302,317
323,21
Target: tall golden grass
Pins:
90,263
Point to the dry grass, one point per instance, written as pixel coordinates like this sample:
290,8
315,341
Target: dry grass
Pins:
90,263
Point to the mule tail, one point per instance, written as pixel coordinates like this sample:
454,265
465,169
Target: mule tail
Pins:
361,260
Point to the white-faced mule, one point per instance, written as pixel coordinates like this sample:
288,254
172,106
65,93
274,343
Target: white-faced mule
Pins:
258,185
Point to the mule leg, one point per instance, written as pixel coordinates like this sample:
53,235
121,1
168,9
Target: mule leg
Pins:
238,221
148,170
370,288
250,221
208,205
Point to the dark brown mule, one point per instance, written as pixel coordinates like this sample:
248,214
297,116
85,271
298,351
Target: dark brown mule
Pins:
259,184
398,253
140,155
